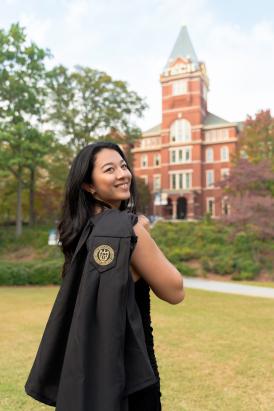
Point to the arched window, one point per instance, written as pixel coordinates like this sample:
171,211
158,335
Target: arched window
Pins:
224,153
180,131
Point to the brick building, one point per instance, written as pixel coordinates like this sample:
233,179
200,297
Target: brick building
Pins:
183,157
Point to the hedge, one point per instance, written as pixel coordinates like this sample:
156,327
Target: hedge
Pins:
30,273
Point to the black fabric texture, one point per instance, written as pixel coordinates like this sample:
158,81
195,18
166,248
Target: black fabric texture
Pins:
149,398
93,352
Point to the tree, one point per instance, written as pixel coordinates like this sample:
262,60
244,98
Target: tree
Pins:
250,186
88,105
51,183
143,196
22,97
38,145
250,198
256,141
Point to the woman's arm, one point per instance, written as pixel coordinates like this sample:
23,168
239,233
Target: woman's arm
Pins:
149,262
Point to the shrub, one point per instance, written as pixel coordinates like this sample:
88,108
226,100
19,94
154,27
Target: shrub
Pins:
243,276
206,264
37,272
186,270
244,264
223,265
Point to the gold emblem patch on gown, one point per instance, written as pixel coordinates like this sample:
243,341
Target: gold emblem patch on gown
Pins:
103,254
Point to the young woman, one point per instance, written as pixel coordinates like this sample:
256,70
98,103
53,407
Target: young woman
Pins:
101,178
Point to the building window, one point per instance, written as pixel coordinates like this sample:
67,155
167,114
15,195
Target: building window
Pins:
224,173
180,185
243,154
209,178
224,153
217,135
187,151
209,155
179,87
156,182
187,180
180,131
173,156
150,142
181,181
180,155
143,161
145,178
210,206
173,181
157,159
225,206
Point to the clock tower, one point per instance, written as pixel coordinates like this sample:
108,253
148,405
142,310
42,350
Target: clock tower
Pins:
183,157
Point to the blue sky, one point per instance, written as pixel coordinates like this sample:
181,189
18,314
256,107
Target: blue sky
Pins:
132,40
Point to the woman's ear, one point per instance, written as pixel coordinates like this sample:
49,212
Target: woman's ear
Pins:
87,187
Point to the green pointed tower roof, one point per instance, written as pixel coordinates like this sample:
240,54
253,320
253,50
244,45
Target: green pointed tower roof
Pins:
182,48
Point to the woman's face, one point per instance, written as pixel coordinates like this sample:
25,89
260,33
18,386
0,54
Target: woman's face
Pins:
111,178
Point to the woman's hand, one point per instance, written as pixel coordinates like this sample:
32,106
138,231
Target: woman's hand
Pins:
144,221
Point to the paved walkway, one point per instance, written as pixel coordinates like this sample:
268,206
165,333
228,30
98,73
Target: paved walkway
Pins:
230,288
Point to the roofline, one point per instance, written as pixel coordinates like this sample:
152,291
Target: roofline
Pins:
220,125
151,134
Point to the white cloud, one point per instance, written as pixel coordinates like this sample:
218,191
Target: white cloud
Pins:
240,65
132,40
37,29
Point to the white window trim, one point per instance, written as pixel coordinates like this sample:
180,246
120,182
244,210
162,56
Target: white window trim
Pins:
154,160
224,149
209,149
150,142
179,87
177,179
157,176
215,135
184,150
144,156
222,206
174,131
145,178
213,178
208,199
224,171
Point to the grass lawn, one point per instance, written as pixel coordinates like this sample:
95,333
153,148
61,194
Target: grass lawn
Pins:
215,351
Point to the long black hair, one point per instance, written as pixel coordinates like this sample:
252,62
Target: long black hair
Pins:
78,204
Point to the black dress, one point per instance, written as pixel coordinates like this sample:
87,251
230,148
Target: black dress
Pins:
147,399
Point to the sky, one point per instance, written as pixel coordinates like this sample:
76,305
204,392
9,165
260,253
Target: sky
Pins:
131,40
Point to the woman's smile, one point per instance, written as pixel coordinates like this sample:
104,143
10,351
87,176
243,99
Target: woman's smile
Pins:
124,186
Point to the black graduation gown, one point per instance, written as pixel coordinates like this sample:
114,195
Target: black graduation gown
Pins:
93,353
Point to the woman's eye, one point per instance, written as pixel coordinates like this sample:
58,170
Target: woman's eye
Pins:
111,168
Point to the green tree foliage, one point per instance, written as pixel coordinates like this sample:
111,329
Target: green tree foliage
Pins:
88,104
256,140
250,185
143,197
81,106
23,143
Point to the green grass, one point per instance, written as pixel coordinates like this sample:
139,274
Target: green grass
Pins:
215,351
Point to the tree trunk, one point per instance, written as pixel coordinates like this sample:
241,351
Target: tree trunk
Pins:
19,207
32,216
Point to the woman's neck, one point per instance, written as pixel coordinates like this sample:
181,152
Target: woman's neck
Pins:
101,205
